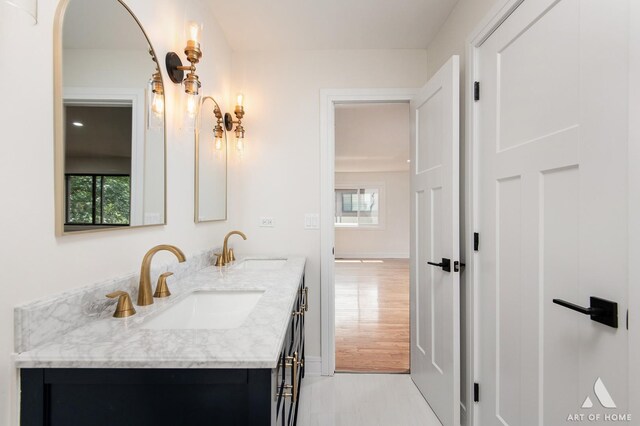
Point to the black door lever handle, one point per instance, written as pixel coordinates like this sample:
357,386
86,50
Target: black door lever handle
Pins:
445,264
600,310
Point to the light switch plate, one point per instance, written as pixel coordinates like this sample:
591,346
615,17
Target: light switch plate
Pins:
311,221
267,222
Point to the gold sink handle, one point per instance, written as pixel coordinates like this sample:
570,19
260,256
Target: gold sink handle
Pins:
162,290
125,306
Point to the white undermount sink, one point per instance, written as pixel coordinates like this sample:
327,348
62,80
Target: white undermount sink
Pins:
207,310
261,264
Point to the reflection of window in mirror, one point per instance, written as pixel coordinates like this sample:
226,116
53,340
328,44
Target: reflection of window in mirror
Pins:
113,151
98,165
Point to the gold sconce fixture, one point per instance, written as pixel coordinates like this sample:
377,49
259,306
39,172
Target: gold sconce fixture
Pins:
218,131
229,122
176,69
157,89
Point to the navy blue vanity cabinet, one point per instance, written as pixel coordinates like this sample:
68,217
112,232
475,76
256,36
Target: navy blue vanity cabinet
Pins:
155,397
290,371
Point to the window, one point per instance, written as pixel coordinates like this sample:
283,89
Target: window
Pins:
358,207
98,199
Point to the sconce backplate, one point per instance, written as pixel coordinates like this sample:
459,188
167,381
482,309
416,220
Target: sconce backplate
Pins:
172,62
228,121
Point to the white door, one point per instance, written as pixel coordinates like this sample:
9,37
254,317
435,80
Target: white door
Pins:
435,290
552,207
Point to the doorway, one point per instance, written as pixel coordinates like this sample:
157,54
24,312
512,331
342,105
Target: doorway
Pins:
372,221
329,100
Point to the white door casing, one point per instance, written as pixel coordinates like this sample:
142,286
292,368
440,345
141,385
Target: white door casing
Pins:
135,98
550,144
328,99
435,293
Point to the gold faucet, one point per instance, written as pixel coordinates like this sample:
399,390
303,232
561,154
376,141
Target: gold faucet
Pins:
227,255
144,291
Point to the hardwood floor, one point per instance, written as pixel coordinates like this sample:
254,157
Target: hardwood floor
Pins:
363,400
372,315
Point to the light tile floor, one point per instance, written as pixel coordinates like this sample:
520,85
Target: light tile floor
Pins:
363,400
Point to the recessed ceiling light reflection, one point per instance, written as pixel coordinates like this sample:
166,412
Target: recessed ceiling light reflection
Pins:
77,124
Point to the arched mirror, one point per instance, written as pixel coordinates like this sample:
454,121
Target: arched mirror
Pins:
211,163
110,123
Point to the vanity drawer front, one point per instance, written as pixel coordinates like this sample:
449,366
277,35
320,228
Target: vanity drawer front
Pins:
141,397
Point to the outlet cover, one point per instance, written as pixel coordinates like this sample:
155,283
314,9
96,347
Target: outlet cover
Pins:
267,222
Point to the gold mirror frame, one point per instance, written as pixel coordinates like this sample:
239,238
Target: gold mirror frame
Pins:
196,216
58,115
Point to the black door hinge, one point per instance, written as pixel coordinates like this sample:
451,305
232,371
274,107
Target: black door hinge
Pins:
476,91
476,392
476,241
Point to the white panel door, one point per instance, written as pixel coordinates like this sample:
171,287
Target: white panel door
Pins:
552,208
435,290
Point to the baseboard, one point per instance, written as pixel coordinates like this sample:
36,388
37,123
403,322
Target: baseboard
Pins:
372,255
313,366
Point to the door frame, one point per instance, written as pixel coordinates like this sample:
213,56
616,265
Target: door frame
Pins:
634,207
496,16
135,98
328,100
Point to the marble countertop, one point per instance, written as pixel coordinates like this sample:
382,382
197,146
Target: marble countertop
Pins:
123,343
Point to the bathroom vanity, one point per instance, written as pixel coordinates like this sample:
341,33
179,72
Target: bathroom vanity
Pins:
227,348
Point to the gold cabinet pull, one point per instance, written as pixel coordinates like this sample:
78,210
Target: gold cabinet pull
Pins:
295,377
292,361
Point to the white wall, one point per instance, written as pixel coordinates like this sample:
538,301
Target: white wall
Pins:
451,40
390,240
280,173
34,262
108,68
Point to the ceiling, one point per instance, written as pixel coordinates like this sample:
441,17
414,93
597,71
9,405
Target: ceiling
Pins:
372,137
330,24
106,132
99,24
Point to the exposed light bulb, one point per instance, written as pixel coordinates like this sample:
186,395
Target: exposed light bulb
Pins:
192,105
157,104
194,31
218,144
240,145
240,99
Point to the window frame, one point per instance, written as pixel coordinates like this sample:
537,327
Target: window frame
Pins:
93,177
382,208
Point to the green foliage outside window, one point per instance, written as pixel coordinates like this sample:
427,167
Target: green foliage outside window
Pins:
98,200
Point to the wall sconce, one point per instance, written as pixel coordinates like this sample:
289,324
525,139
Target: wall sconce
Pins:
218,131
176,69
157,89
229,122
